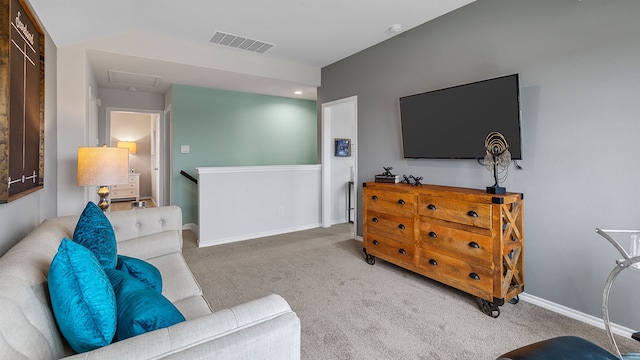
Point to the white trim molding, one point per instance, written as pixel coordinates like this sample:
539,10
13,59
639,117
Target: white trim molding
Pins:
575,314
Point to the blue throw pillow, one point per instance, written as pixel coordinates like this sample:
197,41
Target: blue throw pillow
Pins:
82,298
140,309
141,270
94,231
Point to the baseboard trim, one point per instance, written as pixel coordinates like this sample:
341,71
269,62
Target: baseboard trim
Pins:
575,314
257,235
194,228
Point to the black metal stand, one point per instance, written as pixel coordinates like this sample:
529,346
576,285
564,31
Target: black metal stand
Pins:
350,206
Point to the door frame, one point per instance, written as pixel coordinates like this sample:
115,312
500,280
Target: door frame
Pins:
327,148
165,164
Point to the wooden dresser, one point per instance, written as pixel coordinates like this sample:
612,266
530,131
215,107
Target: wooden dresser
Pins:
130,190
465,238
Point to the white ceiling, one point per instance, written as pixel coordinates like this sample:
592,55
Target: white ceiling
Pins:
305,33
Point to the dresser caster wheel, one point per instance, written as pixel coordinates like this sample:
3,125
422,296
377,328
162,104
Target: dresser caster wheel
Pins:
371,259
489,308
515,300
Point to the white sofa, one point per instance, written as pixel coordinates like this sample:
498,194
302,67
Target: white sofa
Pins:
266,328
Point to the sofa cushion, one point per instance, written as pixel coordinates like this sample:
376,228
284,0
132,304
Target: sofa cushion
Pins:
94,231
141,270
140,308
82,298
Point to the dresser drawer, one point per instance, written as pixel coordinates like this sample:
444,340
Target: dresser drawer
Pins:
390,202
391,226
122,186
468,277
390,250
123,193
460,244
459,211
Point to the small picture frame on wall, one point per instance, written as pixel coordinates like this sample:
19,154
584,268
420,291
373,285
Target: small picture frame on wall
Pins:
343,147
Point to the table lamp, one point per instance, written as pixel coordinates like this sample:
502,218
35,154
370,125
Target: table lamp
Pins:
103,166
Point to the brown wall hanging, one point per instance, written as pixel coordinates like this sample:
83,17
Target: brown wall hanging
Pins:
21,101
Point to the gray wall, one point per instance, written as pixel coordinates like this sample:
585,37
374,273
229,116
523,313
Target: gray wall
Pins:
125,99
579,66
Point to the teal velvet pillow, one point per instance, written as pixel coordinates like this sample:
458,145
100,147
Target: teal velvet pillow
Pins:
140,309
141,270
94,231
82,298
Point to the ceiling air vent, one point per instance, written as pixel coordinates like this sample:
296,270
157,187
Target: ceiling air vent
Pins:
240,42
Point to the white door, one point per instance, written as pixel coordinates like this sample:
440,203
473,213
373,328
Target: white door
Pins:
339,121
156,194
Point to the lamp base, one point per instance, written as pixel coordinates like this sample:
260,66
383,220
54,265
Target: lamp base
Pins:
498,190
103,192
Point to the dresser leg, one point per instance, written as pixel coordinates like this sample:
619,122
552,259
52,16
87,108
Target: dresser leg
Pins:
489,308
369,258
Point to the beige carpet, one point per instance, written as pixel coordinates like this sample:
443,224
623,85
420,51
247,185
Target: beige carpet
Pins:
352,310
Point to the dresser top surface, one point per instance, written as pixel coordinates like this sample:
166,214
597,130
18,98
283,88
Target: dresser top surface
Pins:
449,191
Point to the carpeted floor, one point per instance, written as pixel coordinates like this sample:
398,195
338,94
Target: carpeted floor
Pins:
352,310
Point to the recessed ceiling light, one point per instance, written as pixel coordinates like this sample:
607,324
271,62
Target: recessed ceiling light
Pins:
298,92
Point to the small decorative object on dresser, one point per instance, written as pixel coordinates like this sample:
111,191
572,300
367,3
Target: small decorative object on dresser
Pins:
497,160
465,238
387,176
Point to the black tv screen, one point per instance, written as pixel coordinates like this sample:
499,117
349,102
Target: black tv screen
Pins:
453,123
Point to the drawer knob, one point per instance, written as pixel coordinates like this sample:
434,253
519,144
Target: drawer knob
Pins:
374,198
472,213
432,234
433,262
401,227
401,202
474,245
402,251
375,242
375,220
474,276
431,207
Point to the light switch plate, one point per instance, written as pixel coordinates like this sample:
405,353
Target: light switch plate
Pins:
185,149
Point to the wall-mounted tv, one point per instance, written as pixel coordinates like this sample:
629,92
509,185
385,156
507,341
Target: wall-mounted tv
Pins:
452,123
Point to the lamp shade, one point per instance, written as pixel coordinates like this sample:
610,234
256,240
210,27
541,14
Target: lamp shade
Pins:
131,145
98,166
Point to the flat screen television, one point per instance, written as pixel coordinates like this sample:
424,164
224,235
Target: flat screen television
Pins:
452,123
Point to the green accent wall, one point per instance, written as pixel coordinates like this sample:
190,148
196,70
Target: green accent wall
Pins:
228,128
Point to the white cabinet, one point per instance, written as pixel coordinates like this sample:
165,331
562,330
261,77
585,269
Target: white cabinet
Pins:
127,191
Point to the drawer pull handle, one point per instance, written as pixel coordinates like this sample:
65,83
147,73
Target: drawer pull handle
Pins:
401,202
432,234
401,227
433,262
375,220
431,207
474,276
474,245
374,198
375,242
402,251
472,213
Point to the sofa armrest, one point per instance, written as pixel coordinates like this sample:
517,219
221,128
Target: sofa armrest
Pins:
265,328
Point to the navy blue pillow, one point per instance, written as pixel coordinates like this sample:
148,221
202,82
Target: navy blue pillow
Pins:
141,270
140,309
94,231
82,298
